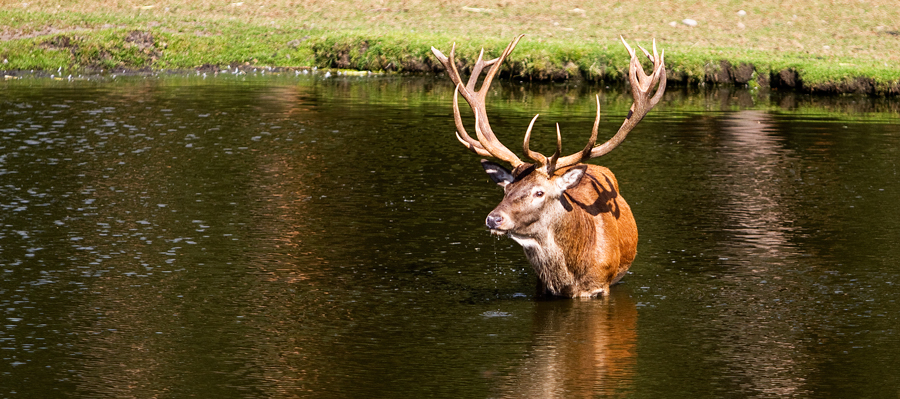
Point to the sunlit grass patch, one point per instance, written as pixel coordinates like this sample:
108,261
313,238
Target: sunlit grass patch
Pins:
842,41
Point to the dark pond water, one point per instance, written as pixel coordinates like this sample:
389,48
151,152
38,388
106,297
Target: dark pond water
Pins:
261,236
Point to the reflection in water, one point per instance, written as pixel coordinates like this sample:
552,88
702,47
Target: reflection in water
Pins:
758,179
282,237
756,213
580,349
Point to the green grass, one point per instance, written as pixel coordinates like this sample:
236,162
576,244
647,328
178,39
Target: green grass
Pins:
838,46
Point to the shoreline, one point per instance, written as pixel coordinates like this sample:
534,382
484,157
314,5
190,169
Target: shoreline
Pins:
725,76
819,50
337,56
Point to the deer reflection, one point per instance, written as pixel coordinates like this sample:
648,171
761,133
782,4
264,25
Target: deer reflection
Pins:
580,349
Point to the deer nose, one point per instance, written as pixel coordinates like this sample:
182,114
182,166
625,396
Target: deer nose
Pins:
494,220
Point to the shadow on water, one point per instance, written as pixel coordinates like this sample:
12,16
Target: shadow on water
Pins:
286,236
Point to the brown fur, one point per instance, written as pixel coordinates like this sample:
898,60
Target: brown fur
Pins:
579,239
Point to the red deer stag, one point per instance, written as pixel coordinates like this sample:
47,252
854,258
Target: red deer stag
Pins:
577,231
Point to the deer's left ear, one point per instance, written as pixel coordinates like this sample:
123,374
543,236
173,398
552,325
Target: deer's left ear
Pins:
497,173
571,177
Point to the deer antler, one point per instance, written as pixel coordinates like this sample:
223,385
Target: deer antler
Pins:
487,143
641,83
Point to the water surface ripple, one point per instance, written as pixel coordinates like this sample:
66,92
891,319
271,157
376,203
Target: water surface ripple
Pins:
287,236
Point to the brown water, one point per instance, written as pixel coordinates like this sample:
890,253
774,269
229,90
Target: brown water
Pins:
282,236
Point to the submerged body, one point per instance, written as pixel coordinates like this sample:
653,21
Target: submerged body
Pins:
585,238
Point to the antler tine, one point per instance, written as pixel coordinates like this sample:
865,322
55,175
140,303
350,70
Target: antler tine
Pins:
593,140
476,71
449,63
659,71
489,78
455,77
547,165
630,50
647,53
534,155
551,163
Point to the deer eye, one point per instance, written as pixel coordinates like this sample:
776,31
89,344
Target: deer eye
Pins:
539,193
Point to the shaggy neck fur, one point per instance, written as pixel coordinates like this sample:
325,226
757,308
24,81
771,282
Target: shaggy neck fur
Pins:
561,255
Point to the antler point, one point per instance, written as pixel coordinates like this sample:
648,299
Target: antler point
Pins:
627,47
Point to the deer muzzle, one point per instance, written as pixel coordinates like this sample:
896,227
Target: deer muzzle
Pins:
495,222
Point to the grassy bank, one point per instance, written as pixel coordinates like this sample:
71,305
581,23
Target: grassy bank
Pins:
834,47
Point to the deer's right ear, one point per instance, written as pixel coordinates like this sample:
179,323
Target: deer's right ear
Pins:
497,173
